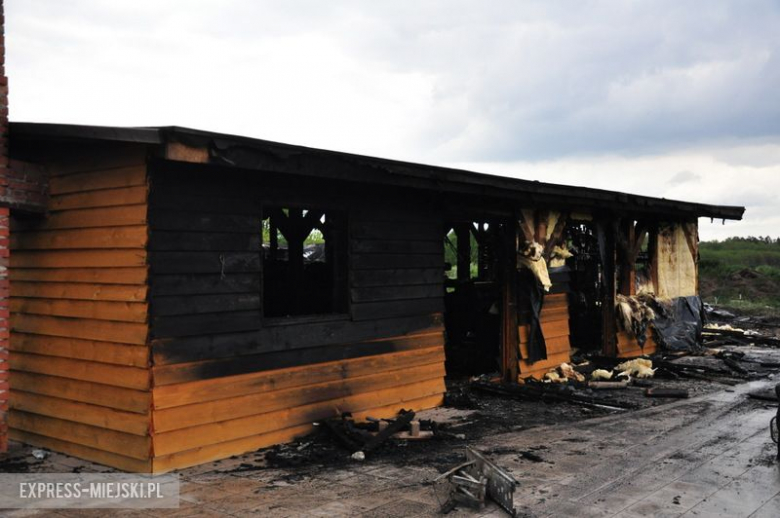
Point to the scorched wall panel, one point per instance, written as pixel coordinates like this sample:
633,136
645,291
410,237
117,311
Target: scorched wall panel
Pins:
227,381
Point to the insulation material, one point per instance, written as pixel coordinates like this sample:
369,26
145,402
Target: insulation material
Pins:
635,314
563,373
675,261
531,258
552,220
528,223
558,256
639,368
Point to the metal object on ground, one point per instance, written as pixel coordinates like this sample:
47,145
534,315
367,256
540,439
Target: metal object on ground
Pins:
500,484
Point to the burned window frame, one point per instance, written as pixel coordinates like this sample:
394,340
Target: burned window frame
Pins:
336,241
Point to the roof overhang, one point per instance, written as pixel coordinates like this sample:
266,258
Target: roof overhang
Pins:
201,147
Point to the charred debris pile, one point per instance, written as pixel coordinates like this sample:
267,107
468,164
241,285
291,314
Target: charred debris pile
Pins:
588,386
723,355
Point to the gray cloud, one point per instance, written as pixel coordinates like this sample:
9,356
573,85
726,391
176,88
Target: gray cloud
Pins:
683,177
574,85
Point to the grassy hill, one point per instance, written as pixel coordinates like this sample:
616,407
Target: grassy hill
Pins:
741,273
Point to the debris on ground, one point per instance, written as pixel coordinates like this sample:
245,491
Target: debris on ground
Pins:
362,438
563,374
40,454
482,406
601,374
529,455
767,395
474,480
639,368
568,372
714,335
667,392
608,385
533,390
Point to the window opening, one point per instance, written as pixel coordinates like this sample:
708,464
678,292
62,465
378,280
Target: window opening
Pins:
304,260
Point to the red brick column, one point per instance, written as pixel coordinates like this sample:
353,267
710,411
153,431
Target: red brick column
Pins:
4,234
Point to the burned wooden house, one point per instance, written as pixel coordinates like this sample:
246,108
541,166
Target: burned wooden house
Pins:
187,296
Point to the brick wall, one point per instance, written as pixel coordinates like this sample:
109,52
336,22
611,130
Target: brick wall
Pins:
4,233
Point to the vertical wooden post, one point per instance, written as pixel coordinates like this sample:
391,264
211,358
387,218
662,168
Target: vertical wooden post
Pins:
609,326
509,336
338,242
652,253
463,231
627,239
295,255
273,239
691,230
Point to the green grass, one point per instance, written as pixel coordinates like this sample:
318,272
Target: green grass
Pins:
741,273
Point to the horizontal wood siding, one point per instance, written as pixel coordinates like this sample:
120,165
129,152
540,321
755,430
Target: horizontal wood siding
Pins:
225,380
80,358
555,327
628,347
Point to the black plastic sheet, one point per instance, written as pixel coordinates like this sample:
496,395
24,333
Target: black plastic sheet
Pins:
678,326
529,285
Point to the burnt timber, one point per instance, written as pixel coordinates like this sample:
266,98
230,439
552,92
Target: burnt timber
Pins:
143,334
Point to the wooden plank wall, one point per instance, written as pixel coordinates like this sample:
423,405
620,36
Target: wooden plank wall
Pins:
79,360
628,347
555,327
225,382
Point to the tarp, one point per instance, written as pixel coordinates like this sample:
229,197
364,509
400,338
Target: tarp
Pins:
530,285
678,325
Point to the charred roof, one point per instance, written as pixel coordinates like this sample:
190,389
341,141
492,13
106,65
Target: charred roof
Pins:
255,154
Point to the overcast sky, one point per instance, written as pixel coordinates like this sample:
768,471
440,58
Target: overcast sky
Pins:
666,98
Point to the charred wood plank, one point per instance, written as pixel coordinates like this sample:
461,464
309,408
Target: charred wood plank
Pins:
398,424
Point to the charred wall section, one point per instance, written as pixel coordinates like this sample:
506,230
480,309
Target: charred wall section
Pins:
226,378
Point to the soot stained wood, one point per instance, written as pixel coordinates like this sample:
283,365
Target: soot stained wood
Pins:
204,284
205,221
381,293
398,277
288,338
374,262
190,325
285,359
194,241
204,262
379,310
212,303
205,272
368,246
424,231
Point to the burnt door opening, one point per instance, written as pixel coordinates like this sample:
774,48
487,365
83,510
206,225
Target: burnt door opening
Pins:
587,286
473,298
